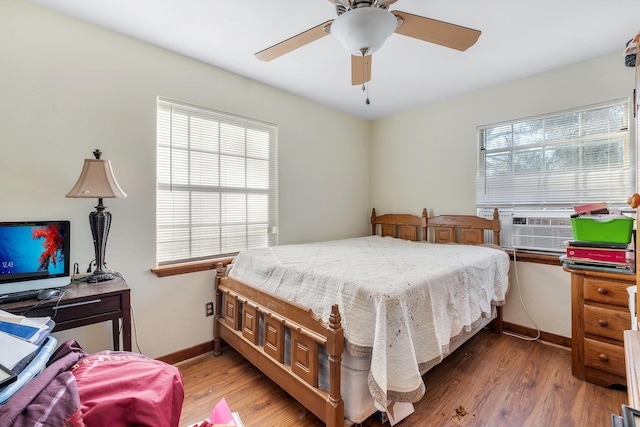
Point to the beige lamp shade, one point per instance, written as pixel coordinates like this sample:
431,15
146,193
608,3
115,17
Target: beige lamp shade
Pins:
96,181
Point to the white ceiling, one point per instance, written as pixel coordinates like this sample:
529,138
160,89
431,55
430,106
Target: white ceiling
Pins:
519,38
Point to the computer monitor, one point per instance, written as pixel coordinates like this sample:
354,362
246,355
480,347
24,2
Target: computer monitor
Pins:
34,255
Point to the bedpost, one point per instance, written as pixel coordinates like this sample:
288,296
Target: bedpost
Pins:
335,347
497,326
496,227
425,217
373,222
218,310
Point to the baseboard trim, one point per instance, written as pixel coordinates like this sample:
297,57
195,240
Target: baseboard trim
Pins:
544,336
187,353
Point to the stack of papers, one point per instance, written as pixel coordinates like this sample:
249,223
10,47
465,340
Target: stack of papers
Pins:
20,338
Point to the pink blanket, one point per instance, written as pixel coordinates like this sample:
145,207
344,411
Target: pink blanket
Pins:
103,389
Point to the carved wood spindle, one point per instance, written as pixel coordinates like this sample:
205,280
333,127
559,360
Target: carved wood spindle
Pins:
373,222
496,227
218,311
425,216
336,408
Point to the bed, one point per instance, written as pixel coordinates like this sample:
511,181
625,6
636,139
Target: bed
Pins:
350,326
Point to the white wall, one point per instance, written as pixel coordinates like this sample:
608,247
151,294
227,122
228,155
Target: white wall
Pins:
68,87
427,158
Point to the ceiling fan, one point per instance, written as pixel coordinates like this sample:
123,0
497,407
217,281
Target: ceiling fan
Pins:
362,26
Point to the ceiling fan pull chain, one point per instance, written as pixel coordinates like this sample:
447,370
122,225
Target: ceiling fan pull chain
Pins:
363,52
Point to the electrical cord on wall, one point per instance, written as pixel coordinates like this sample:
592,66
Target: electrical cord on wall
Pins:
522,337
133,318
135,330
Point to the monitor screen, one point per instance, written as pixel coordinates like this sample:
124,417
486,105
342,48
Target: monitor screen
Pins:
34,255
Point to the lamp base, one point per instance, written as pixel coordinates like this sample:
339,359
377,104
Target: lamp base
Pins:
97,277
100,222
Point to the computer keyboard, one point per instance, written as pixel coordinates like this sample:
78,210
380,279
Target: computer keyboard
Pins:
19,296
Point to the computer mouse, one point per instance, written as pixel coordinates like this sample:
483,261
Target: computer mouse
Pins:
48,293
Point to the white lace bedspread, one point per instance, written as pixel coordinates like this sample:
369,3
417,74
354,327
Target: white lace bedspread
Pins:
400,301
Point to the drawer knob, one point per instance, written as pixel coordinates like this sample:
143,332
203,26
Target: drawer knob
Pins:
603,357
602,291
603,323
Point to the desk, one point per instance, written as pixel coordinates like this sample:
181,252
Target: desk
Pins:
85,304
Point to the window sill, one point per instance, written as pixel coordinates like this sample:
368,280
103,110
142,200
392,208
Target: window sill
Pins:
535,257
190,267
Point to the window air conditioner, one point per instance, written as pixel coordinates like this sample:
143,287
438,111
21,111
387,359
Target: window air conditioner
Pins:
541,230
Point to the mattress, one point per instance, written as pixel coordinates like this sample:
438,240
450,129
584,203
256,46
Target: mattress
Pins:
400,301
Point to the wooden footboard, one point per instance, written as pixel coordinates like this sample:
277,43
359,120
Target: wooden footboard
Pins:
241,311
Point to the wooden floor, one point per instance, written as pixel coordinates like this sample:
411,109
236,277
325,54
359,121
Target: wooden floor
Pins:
498,380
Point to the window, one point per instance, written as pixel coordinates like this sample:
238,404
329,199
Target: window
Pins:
216,183
536,169
558,160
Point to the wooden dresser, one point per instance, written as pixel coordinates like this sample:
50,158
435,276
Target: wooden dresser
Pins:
599,316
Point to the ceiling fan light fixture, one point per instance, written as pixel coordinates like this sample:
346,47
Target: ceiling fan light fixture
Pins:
363,28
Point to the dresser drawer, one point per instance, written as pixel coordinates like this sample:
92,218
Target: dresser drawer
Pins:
606,322
605,357
606,291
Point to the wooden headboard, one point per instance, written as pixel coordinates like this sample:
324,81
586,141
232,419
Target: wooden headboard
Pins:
466,229
402,226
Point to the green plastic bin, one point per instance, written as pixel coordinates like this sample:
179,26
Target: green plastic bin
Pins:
601,229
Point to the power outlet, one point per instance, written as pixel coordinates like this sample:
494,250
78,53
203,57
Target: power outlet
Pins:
209,309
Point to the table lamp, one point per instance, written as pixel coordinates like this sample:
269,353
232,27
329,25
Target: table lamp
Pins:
97,181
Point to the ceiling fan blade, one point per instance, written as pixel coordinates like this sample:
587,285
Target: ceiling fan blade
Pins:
360,69
438,32
294,42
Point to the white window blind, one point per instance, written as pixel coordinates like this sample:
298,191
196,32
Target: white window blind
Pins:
558,160
216,183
